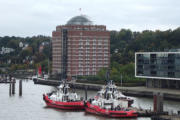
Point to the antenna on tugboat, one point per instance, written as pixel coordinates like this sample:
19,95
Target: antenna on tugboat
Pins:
107,75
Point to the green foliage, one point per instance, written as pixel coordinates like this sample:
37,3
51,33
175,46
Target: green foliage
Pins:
1,72
13,44
44,65
47,51
124,72
126,43
102,74
127,69
25,53
18,67
39,57
117,73
21,58
90,79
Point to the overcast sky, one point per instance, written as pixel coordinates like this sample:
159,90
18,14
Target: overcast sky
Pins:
40,17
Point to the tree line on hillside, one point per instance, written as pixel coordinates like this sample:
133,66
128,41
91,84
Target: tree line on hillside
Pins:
123,45
25,57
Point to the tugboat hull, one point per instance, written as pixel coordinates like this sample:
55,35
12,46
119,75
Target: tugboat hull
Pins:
74,105
109,113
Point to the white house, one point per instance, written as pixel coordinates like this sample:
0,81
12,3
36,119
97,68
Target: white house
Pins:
6,50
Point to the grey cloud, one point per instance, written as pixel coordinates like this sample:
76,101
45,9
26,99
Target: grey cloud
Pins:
28,18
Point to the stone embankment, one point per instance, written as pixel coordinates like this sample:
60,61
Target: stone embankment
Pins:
169,94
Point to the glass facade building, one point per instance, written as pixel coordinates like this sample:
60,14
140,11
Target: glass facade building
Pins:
157,65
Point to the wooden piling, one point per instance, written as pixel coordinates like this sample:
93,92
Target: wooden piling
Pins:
20,87
13,86
10,87
158,102
86,93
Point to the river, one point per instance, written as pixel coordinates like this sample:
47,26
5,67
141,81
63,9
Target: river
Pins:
30,106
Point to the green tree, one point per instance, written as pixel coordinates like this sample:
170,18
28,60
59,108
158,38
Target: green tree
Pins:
26,52
13,44
102,73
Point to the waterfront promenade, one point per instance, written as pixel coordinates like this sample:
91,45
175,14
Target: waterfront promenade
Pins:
141,89
171,94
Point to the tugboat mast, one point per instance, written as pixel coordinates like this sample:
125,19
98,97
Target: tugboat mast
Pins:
107,82
107,76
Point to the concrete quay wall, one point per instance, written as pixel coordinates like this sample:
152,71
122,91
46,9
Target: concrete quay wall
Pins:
169,94
149,94
134,91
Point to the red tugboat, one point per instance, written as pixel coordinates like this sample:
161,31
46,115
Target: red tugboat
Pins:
63,99
111,103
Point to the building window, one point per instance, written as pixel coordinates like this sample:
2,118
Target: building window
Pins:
81,43
153,73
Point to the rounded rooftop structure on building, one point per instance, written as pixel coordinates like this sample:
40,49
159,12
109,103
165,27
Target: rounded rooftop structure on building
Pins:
79,20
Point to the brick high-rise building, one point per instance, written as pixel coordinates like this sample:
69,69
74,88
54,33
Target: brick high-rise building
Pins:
80,48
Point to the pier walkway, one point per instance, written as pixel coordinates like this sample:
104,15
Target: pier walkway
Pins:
162,90
171,94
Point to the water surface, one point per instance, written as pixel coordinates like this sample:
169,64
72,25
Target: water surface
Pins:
32,107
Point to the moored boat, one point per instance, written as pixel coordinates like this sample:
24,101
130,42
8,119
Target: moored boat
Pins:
116,112
63,99
111,103
111,88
